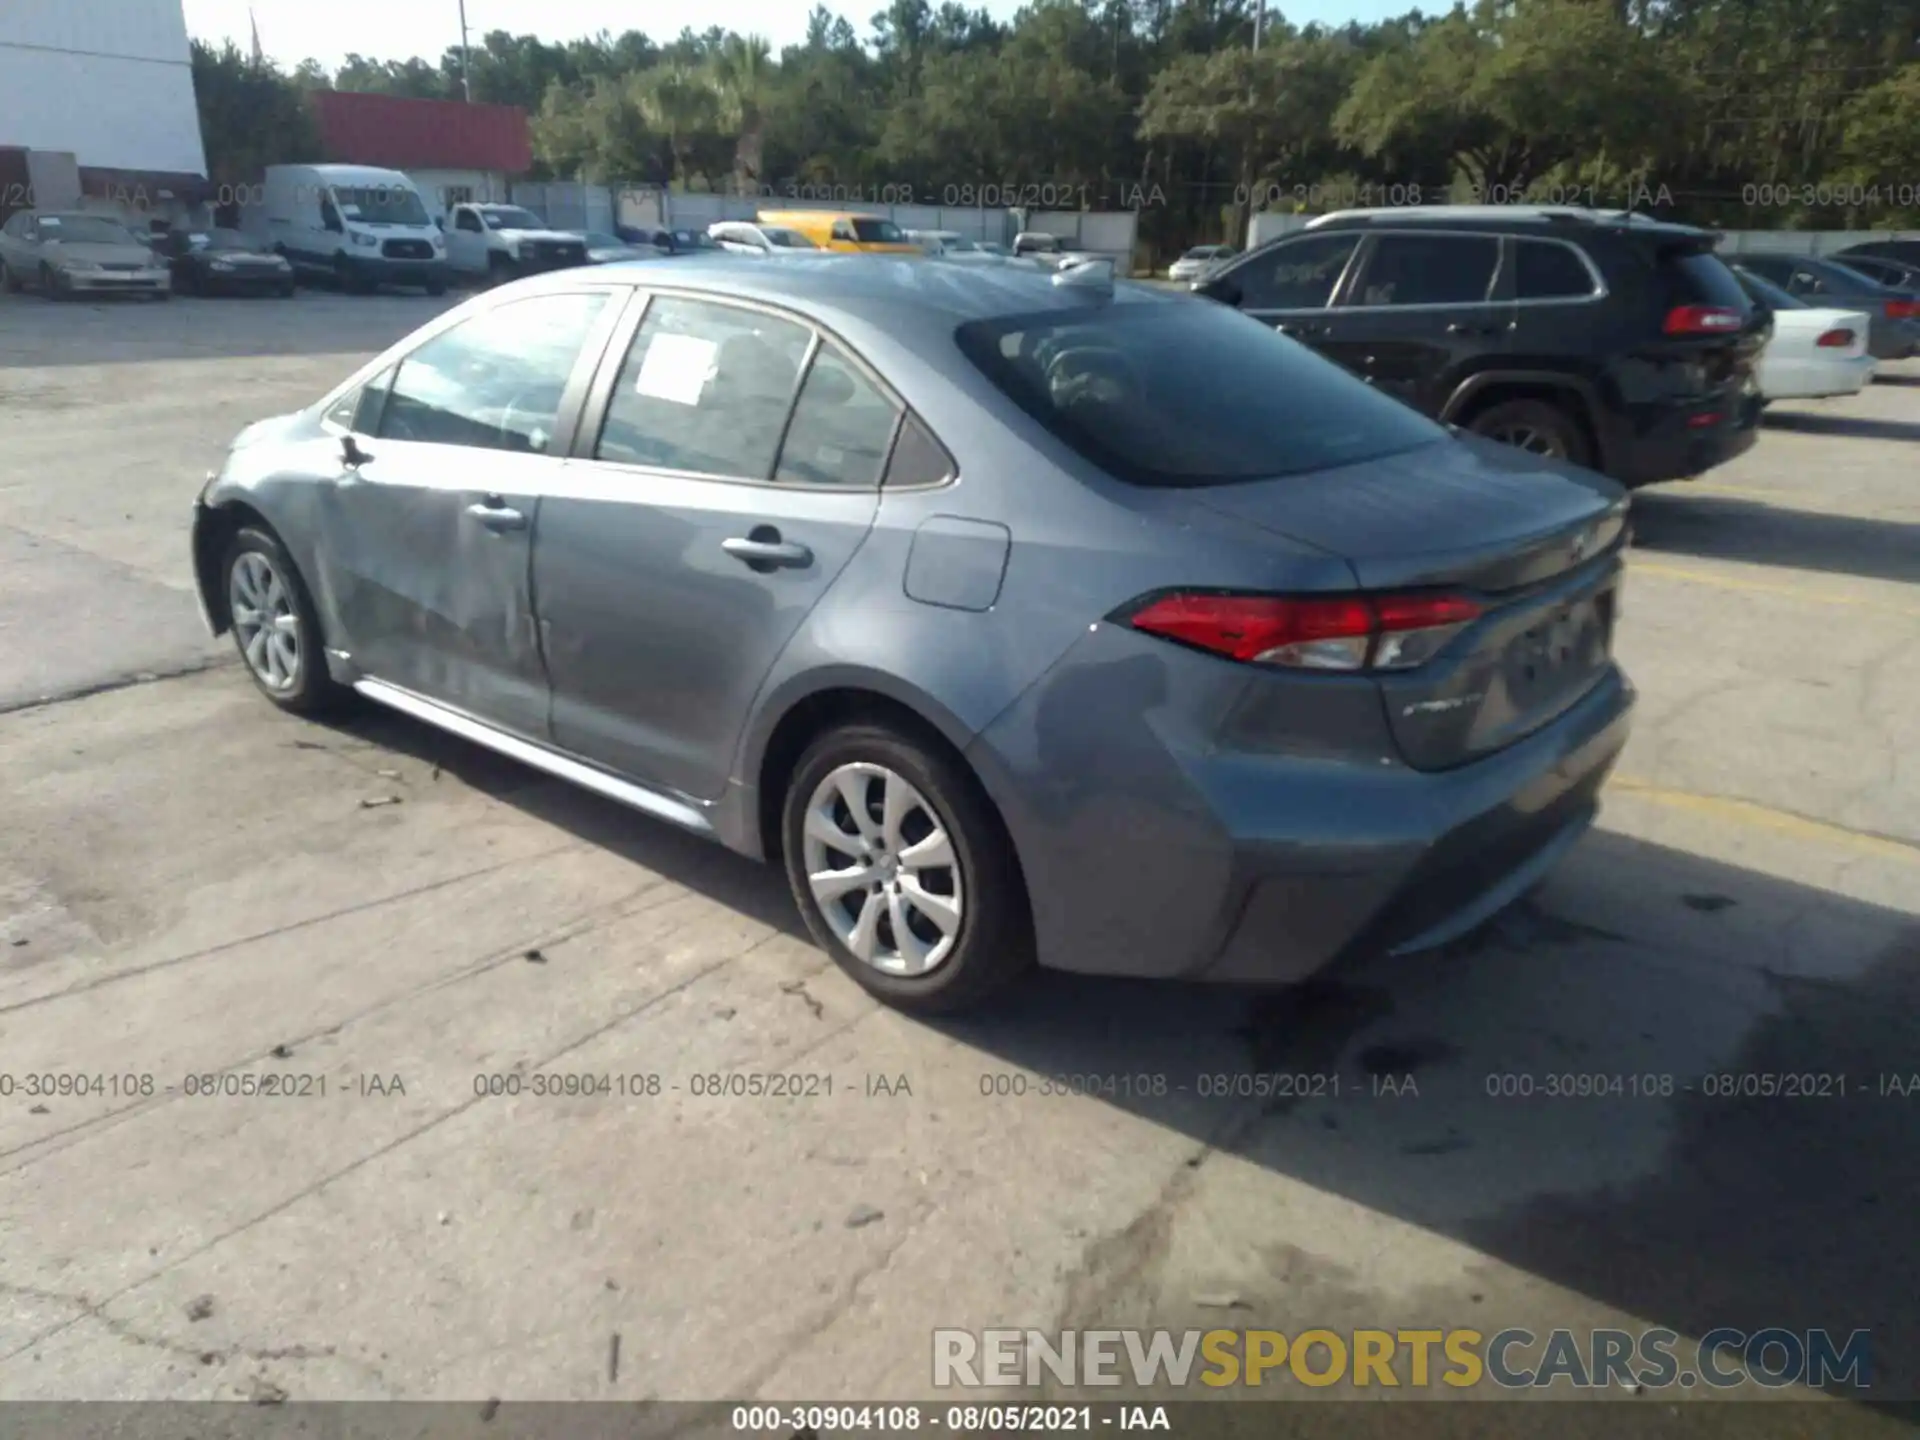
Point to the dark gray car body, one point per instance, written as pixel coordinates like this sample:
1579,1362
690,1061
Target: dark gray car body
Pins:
1172,812
1831,282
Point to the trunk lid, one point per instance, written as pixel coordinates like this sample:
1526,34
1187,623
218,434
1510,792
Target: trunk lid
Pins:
1535,544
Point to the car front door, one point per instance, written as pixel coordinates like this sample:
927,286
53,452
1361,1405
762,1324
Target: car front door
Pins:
1290,285
1419,313
728,470
467,242
428,532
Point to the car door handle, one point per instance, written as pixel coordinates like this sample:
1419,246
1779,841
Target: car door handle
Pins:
765,550
1462,328
496,515
1302,329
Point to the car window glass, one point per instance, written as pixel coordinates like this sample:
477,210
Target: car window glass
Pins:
1804,280
842,230
842,425
1428,270
329,213
494,381
1296,276
466,220
704,388
1545,271
918,458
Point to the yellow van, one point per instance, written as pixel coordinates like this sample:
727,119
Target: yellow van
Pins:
845,230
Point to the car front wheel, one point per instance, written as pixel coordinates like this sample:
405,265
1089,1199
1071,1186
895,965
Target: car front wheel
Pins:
903,871
274,625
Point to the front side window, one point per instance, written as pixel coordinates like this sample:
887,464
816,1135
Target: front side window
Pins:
1428,270
878,232
512,217
494,382
467,220
704,388
1295,276
842,230
842,425
1169,393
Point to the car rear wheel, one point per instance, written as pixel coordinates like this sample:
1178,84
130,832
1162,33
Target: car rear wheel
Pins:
1537,426
50,284
9,282
903,872
274,625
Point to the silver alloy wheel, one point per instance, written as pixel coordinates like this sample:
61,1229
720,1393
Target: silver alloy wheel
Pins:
1525,437
882,868
265,621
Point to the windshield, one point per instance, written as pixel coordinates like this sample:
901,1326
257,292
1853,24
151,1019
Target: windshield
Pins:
1768,293
600,240
695,240
878,232
511,217
381,204
1174,393
1202,252
235,240
787,239
85,230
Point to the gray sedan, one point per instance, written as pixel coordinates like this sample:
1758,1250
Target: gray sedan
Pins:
1018,616
1893,331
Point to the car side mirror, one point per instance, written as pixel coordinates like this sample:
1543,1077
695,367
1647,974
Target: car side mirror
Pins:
351,455
1225,290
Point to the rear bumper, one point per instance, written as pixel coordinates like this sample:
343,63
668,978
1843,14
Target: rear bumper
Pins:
1673,448
1151,850
1816,379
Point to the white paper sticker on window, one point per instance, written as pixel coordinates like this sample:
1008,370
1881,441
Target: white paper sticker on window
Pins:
677,368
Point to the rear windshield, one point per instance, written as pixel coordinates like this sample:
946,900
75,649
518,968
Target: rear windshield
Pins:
1188,393
1696,277
878,232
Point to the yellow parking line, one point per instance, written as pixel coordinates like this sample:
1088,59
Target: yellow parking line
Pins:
1762,587
1763,817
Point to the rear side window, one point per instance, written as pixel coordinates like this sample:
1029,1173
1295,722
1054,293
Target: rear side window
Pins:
918,458
1428,270
1173,393
1543,270
878,232
1696,277
841,426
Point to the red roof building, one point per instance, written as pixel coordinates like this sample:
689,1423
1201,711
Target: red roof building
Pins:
398,133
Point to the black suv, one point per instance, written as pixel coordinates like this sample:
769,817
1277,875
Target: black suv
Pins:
1610,340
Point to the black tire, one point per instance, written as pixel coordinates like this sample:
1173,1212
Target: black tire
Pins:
9,282
1553,427
349,283
286,290
314,690
436,288
500,269
50,283
994,941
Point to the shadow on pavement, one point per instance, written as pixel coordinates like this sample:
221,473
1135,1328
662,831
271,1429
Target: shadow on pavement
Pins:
1723,528
1856,427
1677,1205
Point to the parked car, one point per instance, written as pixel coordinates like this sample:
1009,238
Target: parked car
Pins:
1049,250
224,262
744,237
1045,618
67,254
1200,261
1895,332
1892,273
1907,252
668,242
360,226
1614,342
503,242
844,230
949,244
605,249
1814,353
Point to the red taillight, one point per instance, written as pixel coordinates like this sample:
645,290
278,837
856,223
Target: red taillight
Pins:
1344,632
1835,340
1702,320
1903,309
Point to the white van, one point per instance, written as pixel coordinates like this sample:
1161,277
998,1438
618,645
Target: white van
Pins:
362,226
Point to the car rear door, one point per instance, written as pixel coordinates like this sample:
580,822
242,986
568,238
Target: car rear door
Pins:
727,471
1419,313
427,539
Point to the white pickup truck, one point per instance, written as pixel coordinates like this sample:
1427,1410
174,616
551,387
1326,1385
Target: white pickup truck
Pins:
503,242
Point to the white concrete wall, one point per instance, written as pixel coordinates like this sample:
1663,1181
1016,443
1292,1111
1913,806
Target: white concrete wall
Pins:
108,80
434,184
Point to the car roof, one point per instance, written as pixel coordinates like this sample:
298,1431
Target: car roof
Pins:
1520,218
897,294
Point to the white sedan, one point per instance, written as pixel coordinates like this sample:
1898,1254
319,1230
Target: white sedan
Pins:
1814,353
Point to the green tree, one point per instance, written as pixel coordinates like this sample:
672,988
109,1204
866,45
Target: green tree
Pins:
251,115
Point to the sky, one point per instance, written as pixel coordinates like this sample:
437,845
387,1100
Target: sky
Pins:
293,30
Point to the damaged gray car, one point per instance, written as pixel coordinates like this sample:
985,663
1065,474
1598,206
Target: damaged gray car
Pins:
1022,617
